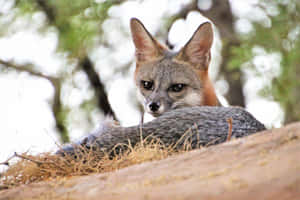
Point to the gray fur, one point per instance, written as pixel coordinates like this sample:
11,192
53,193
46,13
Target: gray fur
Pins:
200,126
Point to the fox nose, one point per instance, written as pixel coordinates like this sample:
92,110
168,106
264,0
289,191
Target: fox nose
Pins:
154,106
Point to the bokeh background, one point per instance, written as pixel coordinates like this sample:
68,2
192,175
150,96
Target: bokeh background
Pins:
65,64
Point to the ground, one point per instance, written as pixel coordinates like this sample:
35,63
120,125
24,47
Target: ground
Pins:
265,165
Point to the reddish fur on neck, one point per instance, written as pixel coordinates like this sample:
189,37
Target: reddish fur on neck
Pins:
209,96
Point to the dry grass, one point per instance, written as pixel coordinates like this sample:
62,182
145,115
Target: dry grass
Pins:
47,166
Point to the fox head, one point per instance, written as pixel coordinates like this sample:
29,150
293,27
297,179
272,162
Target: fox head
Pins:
168,80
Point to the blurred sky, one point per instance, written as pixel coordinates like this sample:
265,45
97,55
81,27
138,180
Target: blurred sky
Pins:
27,123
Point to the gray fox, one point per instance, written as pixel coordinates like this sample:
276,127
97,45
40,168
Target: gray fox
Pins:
175,88
168,80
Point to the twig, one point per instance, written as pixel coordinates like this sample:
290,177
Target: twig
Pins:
141,127
7,161
27,158
213,141
26,68
182,137
39,163
229,129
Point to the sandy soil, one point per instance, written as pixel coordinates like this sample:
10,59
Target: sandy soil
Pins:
263,166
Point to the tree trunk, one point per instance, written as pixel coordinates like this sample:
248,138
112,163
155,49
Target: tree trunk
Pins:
95,81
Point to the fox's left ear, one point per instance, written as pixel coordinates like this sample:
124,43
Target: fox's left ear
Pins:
197,49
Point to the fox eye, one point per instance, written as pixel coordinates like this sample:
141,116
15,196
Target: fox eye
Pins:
177,87
148,85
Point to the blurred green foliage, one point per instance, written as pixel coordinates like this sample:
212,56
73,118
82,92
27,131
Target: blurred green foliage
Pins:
282,36
77,21
26,6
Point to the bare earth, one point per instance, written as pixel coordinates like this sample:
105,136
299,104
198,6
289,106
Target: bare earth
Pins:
263,166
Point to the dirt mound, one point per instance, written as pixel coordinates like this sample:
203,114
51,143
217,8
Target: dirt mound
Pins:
263,166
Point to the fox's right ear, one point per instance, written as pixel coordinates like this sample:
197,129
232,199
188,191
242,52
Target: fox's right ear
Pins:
146,47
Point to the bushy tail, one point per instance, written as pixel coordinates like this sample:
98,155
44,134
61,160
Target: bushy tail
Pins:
200,126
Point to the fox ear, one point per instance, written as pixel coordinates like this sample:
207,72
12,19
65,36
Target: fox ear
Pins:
146,47
197,49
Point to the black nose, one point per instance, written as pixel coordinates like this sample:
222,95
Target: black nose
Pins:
154,106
